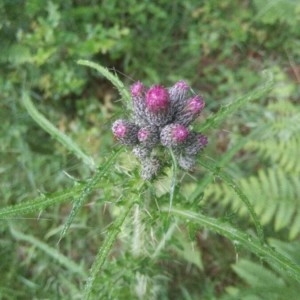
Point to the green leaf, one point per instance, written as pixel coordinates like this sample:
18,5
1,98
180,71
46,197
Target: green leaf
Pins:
87,189
250,243
233,185
39,203
111,77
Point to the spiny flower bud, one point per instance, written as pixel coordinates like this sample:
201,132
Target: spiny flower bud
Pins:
195,105
148,136
138,103
157,99
190,111
174,135
137,90
195,143
162,116
125,132
158,105
178,91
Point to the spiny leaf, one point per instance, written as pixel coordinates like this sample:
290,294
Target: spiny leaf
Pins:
111,77
39,203
223,161
88,188
231,184
250,243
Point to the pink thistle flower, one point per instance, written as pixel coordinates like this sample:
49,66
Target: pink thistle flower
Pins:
190,111
195,105
125,132
174,135
137,89
148,136
157,99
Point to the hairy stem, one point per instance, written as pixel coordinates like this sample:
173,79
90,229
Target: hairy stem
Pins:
174,175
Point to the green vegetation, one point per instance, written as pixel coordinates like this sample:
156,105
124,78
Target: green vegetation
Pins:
78,222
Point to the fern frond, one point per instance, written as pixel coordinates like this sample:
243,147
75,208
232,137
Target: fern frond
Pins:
285,114
262,283
280,141
285,153
273,194
266,283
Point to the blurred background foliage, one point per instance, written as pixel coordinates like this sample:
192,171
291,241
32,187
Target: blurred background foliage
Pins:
220,48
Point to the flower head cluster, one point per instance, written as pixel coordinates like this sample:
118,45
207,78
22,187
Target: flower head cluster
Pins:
161,116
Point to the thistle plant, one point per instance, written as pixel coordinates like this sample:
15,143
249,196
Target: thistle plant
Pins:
161,120
161,117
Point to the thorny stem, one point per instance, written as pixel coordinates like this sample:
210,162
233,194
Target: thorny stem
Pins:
173,182
104,250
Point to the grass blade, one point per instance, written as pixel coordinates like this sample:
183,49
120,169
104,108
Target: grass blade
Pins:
56,255
54,132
